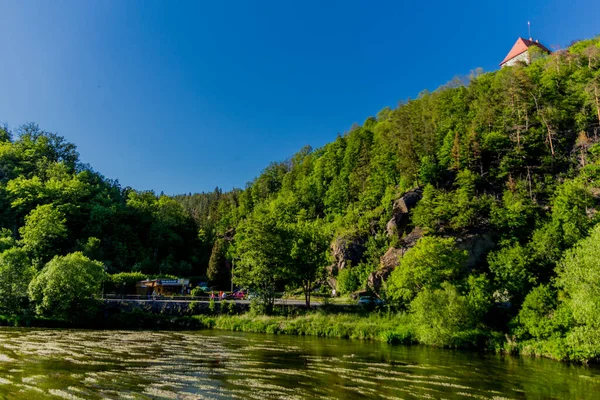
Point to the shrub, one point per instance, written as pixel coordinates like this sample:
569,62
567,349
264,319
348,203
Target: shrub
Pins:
347,281
16,271
541,316
400,335
428,264
193,307
584,344
440,315
67,287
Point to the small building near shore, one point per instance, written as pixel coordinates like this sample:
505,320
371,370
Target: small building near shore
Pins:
162,287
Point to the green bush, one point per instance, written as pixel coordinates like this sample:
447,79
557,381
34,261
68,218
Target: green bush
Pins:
440,315
348,281
541,316
400,335
584,344
193,307
432,261
124,282
67,287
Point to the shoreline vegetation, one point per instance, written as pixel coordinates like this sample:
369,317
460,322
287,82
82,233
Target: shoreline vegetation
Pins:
379,326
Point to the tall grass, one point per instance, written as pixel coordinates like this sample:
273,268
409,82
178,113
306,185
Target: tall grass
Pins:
393,328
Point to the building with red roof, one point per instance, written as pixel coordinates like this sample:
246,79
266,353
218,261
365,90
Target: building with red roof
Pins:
520,52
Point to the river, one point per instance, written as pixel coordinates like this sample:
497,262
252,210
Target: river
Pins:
79,364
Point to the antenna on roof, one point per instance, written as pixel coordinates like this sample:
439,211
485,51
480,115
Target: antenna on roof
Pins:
529,29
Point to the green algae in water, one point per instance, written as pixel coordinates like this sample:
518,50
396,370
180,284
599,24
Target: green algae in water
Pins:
73,364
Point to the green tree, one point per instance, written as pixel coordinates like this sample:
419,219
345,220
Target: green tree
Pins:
67,287
218,271
512,271
432,261
16,271
308,255
264,256
6,239
541,315
579,277
44,232
125,282
347,280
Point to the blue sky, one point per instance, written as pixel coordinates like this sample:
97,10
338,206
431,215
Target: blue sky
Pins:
181,97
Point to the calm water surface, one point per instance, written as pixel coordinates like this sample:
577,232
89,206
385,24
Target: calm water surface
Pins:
40,364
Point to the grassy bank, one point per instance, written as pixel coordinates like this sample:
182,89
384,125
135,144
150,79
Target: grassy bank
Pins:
376,326
400,329
390,328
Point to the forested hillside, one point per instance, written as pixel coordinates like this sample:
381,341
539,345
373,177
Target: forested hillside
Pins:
511,155
52,204
502,177
473,208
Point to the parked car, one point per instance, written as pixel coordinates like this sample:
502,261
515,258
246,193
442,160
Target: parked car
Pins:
369,300
238,295
251,295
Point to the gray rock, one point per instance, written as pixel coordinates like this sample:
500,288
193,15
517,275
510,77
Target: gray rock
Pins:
400,212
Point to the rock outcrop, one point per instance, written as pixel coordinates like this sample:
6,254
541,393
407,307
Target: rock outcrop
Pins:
388,262
400,212
346,250
477,244
391,259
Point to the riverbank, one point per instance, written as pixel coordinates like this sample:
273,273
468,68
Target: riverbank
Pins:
389,328
392,328
134,320
400,329
348,326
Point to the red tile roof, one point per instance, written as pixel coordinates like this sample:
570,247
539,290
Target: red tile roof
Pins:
520,47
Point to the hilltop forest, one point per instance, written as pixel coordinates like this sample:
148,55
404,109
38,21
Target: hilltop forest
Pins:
472,208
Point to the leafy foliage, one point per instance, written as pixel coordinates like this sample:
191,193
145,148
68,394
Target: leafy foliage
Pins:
427,265
16,272
308,256
441,314
67,287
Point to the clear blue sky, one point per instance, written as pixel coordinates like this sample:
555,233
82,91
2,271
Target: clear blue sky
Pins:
181,96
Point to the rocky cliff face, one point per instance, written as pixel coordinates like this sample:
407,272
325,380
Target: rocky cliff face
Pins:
397,226
346,250
349,250
400,212
391,259
477,244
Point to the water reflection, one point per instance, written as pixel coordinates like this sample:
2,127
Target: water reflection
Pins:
220,365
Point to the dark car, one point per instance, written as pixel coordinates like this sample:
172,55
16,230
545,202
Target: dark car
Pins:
369,300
